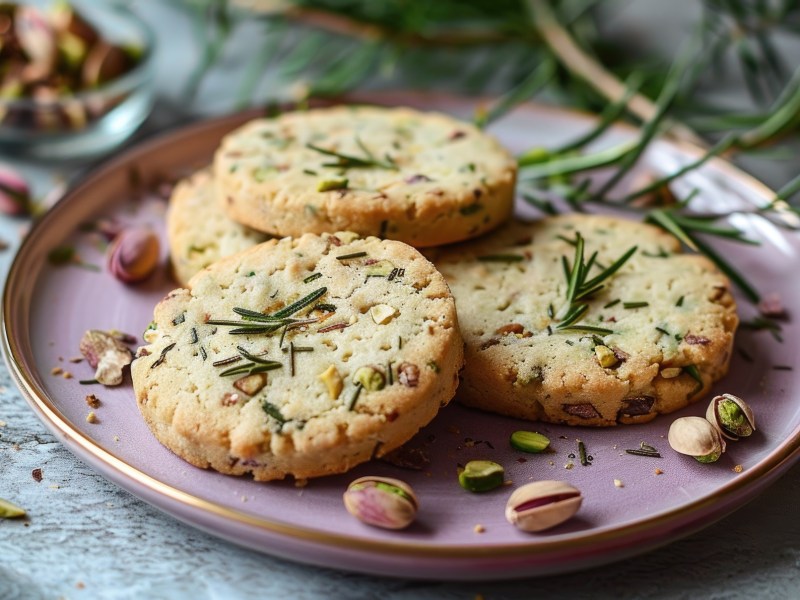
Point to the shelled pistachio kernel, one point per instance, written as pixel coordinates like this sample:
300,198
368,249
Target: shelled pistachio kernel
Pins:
671,372
382,313
481,476
696,437
371,378
382,502
542,504
333,381
732,416
529,441
382,268
605,356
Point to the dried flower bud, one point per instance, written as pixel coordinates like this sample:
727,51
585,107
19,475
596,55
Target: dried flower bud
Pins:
134,255
14,192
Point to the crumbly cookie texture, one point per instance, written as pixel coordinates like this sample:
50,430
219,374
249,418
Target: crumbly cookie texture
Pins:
440,180
510,287
362,349
199,231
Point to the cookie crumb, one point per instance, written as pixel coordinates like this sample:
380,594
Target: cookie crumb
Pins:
80,585
658,472
2,423
618,483
75,359
91,417
479,528
738,469
569,466
66,375
92,400
300,483
56,371
37,474
116,438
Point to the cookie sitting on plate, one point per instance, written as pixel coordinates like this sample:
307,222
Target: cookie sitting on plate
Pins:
421,178
646,340
301,356
198,231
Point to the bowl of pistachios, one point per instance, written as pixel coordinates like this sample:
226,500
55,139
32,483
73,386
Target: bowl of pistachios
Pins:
76,78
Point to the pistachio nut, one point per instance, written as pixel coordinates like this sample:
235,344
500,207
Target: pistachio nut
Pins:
382,268
695,436
333,381
382,313
732,416
370,377
542,504
251,384
529,441
481,476
134,255
605,356
106,354
15,197
382,502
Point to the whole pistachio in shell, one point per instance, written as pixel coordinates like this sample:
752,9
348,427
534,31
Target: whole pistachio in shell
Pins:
695,436
134,254
381,502
15,195
732,416
542,504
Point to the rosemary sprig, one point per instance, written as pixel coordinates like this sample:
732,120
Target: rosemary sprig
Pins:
535,81
684,228
348,161
580,288
254,323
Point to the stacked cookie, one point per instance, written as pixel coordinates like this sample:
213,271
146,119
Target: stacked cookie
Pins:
336,340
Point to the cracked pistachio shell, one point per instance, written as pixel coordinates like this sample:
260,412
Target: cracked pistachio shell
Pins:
381,502
732,416
695,436
542,504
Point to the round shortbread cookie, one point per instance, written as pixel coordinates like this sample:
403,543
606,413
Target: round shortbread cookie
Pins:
440,180
361,351
671,316
198,230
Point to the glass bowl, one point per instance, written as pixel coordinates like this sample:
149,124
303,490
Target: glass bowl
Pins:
91,122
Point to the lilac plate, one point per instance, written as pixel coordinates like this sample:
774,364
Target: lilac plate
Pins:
47,308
